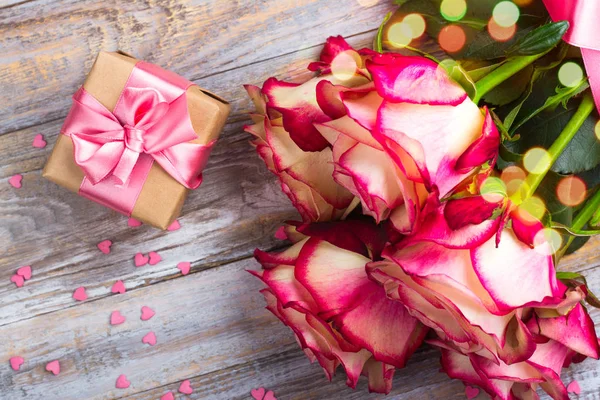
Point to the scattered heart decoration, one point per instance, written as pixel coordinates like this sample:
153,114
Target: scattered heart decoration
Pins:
80,294
154,258
174,226
280,234
118,287
132,222
116,318
149,338
15,181
122,382
104,246
186,387
184,267
38,141
18,280
471,392
574,387
16,362
147,313
262,394
269,396
140,260
167,396
54,367
25,272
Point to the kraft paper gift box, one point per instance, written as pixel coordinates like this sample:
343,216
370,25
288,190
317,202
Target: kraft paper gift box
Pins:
160,177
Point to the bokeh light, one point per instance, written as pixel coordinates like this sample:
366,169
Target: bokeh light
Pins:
367,3
523,3
452,38
571,191
501,33
547,241
532,209
570,74
416,23
400,34
345,64
506,14
514,179
537,161
597,130
453,10
493,190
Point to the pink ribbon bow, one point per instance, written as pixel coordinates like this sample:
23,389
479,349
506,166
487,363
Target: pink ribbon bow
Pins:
584,31
150,122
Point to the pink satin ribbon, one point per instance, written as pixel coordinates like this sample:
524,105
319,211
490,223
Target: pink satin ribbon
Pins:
584,32
150,122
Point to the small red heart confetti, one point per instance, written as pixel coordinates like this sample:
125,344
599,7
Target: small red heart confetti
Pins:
15,181
38,141
147,313
155,258
471,392
25,272
167,396
104,246
258,394
132,222
574,388
140,260
79,294
118,287
54,367
280,234
150,339
270,396
116,318
122,382
16,362
185,387
184,267
174,226
17,280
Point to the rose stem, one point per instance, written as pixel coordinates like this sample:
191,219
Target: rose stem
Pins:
591,206
502,73
560,144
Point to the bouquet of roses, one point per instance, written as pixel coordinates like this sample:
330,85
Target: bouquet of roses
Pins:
437,198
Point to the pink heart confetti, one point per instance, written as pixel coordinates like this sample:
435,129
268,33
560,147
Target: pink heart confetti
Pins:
184,267
280,234
54,367
185,387
147,313
104,246
79,294
132,222
574,388
167,396
471,392
122,382
38,141
118,287
140,260
174,226
270,396
258,394
150,339
16,362
25,272
116,318
155,258
15,181
17,280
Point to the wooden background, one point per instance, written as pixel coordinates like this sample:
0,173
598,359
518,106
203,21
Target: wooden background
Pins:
211,325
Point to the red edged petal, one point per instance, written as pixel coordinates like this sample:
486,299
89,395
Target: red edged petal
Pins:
362,107
380,376
334,46
485,149
473,210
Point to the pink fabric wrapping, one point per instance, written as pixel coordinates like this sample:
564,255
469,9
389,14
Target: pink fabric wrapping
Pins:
584,32
150,123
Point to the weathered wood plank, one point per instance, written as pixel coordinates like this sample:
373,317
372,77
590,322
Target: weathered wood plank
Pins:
236,209
48,46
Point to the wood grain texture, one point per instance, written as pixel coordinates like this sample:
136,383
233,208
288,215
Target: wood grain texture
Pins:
211,325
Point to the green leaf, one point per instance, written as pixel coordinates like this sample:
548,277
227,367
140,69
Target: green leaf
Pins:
540,40
547,190
574,279
484,47
511,89
479,68
459,75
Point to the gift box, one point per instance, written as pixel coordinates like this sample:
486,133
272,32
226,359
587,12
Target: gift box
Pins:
136,138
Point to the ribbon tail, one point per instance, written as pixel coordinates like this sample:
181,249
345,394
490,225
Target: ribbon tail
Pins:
591,58
124,168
